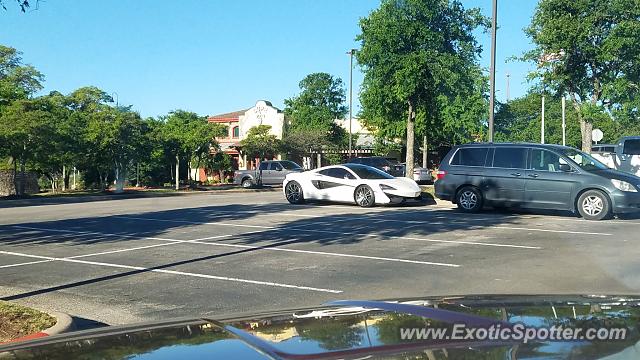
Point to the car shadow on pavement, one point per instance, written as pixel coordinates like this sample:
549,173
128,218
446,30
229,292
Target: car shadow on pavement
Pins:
260,230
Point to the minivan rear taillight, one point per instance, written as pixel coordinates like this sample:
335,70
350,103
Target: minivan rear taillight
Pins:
441,174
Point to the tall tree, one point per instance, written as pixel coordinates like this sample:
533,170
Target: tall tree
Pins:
25,131
412,52
189,136
17,80
116,134
588,50
310,115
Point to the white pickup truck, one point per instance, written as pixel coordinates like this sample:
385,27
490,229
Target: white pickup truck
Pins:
623,156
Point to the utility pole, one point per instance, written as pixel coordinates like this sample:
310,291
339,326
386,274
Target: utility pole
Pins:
116,96
508,75
542,123
492,70
351,53
564,125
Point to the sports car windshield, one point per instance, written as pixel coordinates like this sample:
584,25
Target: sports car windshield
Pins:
369,173
584,160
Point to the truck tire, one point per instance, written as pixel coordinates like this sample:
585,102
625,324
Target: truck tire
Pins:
247,183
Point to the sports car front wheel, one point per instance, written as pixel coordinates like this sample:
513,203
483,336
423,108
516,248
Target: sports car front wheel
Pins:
364,196
293,192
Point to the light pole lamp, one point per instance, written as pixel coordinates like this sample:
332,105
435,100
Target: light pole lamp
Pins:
492,71
350,53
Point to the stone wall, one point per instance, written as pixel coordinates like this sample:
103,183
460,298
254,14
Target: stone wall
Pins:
7,186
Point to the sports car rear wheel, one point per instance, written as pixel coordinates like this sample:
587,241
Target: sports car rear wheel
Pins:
364,196
293,192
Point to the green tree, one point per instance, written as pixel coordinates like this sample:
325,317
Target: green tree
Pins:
413,52
260,143
188,137
589,51
116,134
520,120
25,131
219,162
310,115
17,80
88,108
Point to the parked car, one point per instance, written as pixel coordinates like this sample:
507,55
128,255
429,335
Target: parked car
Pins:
270,172
624,156
349,183
389,166
535,176
420,175
338,329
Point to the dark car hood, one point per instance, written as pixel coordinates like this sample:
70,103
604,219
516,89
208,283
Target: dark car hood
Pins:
618,175
345,331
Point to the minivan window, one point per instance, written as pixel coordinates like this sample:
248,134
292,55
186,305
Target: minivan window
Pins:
470,156
544,160
584,160
509,157
631,147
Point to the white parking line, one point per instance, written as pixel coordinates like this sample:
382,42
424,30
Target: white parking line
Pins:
200,241
173,272
298,228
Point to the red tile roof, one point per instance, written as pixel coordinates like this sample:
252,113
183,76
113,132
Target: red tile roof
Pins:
231,116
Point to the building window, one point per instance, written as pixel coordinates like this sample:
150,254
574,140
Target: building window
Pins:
236,132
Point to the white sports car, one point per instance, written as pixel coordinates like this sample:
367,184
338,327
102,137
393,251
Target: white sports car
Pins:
349,183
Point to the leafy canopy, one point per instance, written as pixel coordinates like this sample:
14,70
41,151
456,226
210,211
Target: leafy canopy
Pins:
417,56
260,143
588,50
310,115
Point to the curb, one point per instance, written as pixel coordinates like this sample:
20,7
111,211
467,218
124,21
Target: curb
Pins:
64,323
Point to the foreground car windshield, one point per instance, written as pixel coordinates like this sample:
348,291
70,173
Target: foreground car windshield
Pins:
370,173
585,161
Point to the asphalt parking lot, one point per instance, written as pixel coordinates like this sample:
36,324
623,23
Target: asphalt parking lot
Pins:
131,260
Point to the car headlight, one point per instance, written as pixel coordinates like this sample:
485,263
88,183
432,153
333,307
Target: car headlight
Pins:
623,185
386,187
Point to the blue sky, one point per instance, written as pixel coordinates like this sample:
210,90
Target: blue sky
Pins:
215,56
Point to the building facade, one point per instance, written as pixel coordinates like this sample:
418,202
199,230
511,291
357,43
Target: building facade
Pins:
238,124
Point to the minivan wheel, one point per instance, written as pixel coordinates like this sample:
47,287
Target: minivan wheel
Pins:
469,199
594,205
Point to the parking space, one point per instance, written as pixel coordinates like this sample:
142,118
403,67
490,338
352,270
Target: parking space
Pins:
198,254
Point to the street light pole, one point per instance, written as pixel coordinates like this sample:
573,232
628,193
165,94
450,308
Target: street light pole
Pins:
542,123
564,125
492,71
116,95
351,53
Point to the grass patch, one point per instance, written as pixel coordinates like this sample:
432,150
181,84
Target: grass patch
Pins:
17,321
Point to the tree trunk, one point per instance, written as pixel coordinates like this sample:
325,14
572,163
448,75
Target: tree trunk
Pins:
177,172
585,129
585,125
119,178
22,170
64,178
16,182
410,140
